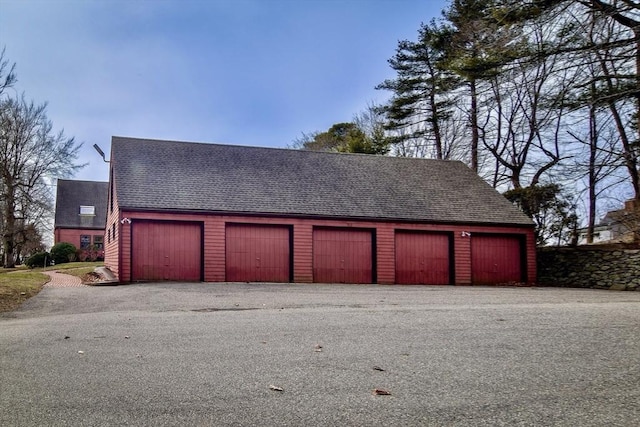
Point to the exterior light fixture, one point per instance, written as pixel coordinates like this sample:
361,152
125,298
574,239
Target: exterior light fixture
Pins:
99,150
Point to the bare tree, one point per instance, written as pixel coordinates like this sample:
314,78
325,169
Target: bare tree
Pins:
7,73
30,153
523,111
615,45
599,111
371,122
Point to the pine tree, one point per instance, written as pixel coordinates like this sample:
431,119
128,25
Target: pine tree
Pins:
422,91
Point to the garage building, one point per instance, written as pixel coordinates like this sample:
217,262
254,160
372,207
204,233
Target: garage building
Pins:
184,211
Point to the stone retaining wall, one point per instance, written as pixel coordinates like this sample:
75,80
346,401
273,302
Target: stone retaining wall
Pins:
590,267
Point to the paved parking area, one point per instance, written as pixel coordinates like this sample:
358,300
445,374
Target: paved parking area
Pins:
208,354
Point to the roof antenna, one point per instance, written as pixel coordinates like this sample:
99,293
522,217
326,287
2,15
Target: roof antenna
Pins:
100,152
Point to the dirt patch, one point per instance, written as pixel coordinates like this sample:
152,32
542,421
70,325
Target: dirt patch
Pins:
91,277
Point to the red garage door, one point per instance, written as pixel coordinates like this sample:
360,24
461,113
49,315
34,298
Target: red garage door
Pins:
495,259
163,250
258,253
342,256
422,258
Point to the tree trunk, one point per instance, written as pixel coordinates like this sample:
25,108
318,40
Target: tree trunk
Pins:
8,238
635,179
628,21
435,124
630,158
630,161
593,149
475,137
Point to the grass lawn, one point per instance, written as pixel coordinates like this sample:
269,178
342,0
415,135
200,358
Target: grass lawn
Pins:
19,284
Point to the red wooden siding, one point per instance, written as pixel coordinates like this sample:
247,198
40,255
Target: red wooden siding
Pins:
462,244
257,253
163,250
342,256
73,236
118,251
422,258
113,250
303,253
214,243
385,253
496,259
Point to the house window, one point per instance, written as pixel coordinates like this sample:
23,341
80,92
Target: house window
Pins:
88,210
98,242
109,235
85,241
113,231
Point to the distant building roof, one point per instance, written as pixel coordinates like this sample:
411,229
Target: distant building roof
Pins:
184,176
74,200
619,216
620,225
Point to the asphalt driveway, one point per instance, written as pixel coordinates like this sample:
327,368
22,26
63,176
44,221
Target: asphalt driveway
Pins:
207,354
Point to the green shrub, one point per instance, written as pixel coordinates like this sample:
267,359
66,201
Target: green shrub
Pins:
38,260
63,252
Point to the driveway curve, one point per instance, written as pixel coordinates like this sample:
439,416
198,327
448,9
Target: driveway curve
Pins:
218,354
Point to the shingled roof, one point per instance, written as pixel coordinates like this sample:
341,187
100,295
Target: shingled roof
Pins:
71,195
185,176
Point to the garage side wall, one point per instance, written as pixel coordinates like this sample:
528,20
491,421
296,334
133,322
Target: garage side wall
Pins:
214,243
112,250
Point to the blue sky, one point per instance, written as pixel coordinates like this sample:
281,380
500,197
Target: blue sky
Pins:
246,72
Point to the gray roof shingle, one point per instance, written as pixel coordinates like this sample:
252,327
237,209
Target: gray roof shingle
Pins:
186,176
71,194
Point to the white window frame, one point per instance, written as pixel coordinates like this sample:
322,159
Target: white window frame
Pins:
87,210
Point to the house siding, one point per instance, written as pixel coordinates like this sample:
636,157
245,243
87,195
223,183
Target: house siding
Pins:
72,235
124,242
303,252
385,253
462,245
214,250
384,232
112,253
